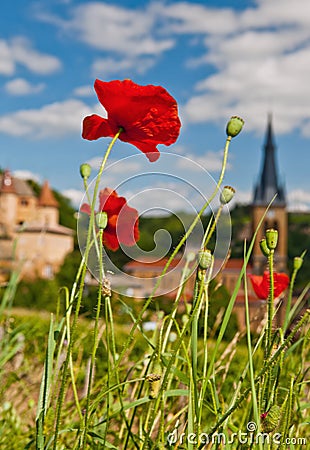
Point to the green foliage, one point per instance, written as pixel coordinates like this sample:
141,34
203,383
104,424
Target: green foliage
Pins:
69,268
207,378
37,294
219,299
150,225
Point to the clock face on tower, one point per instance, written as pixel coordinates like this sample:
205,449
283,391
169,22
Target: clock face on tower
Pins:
271,214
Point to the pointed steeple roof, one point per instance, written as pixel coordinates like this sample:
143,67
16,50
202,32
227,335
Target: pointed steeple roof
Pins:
46,197
268,183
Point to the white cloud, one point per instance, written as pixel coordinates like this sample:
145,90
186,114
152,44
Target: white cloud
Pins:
7,64
20,86
108,66
84,91
19,50
185,17
56,119
129,39
113,28
243,197
260,55
74,195
261,58
27,175
299,200
278,13
211,161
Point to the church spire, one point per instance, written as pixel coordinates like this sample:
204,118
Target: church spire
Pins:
268,184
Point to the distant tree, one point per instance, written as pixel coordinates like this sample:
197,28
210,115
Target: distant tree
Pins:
37,294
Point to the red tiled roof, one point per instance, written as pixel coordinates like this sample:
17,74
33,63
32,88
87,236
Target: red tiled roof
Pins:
46,197
158,264
234,263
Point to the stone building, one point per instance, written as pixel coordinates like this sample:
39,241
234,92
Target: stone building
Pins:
31,238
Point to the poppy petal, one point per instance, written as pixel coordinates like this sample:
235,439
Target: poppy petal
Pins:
149,150
261,284
260,288
85,208
281,282
110,202
110,240
95,127
148,115
127,230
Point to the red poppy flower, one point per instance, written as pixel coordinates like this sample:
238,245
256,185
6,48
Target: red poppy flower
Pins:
122,226
148,116
261,284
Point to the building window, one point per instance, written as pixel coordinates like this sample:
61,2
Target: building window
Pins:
24,202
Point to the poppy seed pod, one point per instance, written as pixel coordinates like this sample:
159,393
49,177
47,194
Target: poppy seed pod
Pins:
204,259
154,383
264,247
101,220
271,419
234,126
271,238
85,170
227,194
298,261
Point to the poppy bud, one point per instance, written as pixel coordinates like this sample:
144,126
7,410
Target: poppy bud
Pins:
204,259
227,194
271,238
101,220
264,248
85,170
234,126
270,420
154,383
298,260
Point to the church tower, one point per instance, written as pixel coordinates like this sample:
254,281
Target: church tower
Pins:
267,187
8,205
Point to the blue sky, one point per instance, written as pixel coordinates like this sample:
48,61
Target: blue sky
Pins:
217,58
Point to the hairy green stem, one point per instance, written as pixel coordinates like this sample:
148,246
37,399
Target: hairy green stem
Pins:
209,231
95,340
198,295
270,305
80,291
262,372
